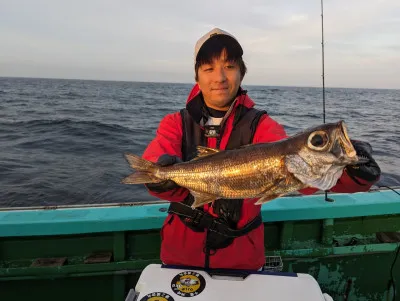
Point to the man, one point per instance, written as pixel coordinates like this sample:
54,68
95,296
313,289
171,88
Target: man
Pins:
220,114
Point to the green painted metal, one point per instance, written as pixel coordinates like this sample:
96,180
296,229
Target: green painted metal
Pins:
286,235
336,242
119,246
327,231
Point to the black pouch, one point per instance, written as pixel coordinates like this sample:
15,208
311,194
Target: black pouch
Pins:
229,213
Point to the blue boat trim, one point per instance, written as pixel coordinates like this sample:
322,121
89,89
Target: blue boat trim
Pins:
125,218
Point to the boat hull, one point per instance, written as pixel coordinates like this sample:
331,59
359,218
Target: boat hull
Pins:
98,252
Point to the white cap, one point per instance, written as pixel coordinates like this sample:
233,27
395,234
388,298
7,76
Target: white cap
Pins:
208,35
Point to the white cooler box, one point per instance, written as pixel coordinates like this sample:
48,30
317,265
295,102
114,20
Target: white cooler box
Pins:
163,283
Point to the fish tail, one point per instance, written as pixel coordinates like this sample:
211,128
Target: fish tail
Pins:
145,171
139,163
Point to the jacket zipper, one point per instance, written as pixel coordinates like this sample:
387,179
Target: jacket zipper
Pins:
207,249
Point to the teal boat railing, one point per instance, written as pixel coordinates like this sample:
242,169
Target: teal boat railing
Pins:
142,216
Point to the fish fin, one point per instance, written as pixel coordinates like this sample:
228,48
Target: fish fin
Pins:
145,173
140,177
246,145
272,191
201,199
267,198
203,151
208,150
274,185
139,163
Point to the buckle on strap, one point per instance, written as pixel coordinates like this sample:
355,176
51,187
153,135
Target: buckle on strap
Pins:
203,219
197,217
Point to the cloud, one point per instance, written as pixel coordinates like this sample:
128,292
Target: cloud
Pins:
154,40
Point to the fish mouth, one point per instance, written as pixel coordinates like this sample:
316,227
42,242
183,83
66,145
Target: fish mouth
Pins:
345,142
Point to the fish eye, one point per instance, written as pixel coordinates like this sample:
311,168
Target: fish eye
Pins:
318,140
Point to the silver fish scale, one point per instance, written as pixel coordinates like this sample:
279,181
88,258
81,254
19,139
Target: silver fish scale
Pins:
234,177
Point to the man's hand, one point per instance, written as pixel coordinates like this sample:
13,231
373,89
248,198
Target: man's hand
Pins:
164,160
368,171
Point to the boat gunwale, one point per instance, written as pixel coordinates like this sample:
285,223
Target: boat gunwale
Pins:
140,216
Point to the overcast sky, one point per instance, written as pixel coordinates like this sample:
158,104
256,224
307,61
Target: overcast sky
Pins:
154,40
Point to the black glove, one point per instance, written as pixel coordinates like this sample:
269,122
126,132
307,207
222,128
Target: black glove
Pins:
368,171
164,160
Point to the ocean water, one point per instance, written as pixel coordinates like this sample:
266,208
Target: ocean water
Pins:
62,141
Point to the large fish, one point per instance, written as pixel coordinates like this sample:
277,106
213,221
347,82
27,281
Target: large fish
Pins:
314,157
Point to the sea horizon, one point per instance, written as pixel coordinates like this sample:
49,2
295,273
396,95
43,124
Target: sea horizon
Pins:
192,83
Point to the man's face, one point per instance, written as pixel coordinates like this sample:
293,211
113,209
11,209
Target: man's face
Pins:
219,82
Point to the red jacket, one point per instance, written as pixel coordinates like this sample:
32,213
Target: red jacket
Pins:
182,246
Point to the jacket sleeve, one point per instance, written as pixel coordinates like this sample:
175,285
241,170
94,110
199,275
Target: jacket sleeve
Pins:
167,141
268,130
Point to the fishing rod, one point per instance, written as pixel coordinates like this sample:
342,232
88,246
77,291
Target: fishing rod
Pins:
323,58
323,76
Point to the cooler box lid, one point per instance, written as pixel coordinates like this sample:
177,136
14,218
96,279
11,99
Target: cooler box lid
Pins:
164,283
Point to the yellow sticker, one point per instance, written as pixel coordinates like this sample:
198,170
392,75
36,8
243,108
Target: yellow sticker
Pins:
157,296
188,284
